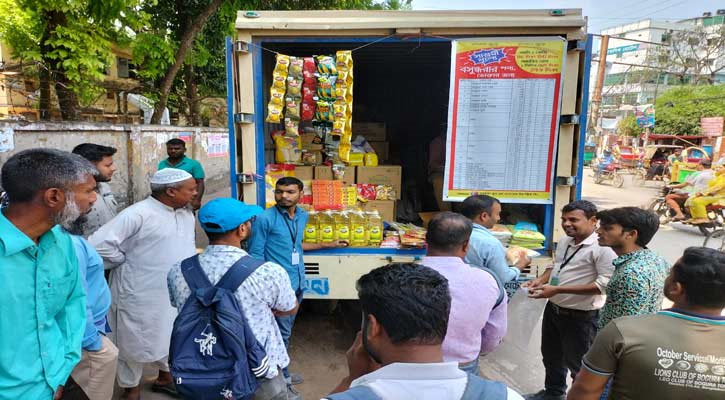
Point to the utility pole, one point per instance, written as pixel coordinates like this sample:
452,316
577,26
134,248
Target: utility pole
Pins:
597,95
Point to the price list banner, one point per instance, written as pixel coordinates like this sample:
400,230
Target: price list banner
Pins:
503,118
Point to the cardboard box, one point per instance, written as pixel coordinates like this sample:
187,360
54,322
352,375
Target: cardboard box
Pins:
303,172
372,131
382,175
386,208
325,172
382,149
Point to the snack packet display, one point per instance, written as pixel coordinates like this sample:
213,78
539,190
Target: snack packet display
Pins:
292,108
323,111
291,127
326,65
326,87
294,87
288,150
295,67
308,111
308,71
274,113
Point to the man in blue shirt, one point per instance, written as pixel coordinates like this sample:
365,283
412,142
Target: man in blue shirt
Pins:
95,374
41,290
484,250
277,237
176,149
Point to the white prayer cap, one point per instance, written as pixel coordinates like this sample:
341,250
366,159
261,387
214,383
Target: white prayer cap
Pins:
169,175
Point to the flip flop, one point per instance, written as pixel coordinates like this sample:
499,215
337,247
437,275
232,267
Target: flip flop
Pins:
168,389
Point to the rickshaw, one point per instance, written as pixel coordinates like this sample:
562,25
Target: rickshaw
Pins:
654,164
691,156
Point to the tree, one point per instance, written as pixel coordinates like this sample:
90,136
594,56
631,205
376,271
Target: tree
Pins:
627,126
678,111
193,31
67,43
695,54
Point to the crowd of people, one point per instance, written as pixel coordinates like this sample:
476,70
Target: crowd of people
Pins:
69,332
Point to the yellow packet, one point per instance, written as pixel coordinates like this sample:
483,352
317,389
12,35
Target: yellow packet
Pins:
276,96
282,65
274,113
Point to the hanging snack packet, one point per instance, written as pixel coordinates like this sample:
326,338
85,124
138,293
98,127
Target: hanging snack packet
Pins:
281,67
323,111
325,86
326,65
340,110
292,108
341,92
294,87
295,67
276,96
338,127
308,111
308,71
274,113
344,59
279,81
291,127
287,149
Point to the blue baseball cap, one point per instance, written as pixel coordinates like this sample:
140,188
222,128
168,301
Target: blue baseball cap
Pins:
224,214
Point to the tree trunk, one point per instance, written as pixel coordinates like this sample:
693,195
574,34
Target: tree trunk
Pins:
67,99
184,45
44,103
192,96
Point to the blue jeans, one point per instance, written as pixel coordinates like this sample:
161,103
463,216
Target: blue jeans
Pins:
605,393
285,325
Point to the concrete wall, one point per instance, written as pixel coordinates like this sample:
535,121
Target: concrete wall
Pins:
140,148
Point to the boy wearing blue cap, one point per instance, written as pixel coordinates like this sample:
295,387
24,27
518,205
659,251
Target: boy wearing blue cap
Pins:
266,293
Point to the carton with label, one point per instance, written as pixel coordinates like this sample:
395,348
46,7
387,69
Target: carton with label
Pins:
324,172
386,208
382,175
372,131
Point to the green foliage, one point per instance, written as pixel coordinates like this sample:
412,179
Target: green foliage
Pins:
71,38
678,111
627,126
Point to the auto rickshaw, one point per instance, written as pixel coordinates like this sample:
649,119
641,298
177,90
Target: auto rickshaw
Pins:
691,156
654,164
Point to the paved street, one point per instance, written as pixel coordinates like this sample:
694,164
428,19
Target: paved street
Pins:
321,336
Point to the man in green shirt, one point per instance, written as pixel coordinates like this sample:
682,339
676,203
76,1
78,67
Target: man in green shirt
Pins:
675,354
176,149
42,298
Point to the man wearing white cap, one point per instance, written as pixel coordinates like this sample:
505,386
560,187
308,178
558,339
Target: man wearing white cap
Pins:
139,246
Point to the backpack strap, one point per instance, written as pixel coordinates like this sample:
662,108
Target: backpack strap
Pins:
239,272
478,388
193,274
501,289
361,392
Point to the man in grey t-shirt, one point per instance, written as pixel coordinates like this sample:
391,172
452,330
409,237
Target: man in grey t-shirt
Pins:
105,208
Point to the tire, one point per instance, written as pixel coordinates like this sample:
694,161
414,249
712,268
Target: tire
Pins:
706,229
618,181
715,240
638,179
659,207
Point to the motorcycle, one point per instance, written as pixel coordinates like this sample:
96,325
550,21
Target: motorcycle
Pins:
609,172
659,206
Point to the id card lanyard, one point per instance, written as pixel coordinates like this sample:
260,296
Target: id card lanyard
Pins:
555,279
293,235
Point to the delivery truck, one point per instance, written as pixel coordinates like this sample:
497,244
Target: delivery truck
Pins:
505,92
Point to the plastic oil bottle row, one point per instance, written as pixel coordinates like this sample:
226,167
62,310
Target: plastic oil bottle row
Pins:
358,228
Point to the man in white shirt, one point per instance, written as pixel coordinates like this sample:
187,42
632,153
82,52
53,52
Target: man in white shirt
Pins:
140,245
105,208
694,184
575,286
398,353
266,293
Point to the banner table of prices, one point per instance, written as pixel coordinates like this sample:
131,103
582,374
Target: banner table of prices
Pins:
503,118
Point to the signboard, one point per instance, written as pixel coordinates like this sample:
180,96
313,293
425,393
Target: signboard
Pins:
623,49
503,118
711,126
645,115
217,145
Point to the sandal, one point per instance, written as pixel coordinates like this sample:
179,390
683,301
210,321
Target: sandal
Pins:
168,389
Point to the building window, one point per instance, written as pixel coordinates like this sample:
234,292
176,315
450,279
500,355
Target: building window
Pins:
110,95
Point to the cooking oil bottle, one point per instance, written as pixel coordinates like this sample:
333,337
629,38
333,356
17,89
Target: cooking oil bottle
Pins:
359,231
311,229
375,228
326,226
342,226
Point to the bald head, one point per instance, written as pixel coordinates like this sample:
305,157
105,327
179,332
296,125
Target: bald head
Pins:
448,234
